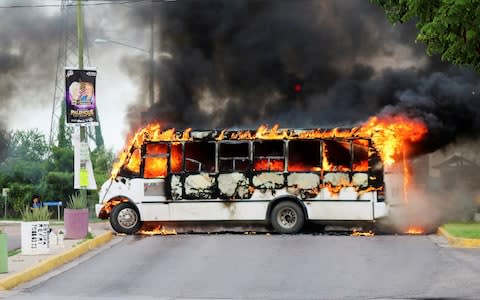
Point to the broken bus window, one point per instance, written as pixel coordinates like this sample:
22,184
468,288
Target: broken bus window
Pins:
234,156
336,156
156,160
360,155
200,157
268,156
176,157
304,156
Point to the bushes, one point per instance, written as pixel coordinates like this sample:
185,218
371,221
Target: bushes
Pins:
35,214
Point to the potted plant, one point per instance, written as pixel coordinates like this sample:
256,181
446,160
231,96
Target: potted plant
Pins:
3,252
75,217
35,230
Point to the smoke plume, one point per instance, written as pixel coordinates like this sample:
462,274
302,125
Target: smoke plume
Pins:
236,64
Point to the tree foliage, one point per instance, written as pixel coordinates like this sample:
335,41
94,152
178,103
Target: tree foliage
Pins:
30,167
450,28
27,145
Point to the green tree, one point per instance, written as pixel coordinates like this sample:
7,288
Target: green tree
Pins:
450,28
24,168
27,145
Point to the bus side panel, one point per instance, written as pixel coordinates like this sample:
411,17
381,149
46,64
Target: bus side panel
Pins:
339,210
394,185
380,210
154,211
218,211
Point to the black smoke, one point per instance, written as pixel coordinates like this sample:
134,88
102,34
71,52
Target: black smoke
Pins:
29,43
234,63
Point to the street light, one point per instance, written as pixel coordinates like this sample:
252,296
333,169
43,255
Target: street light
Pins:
150,52
103,40
150,84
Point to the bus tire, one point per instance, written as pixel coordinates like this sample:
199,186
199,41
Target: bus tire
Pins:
125,218
287,217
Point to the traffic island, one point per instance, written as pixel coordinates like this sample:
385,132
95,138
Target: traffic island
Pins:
461,235
28,268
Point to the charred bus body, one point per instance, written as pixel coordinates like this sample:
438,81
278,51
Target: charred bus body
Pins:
281,177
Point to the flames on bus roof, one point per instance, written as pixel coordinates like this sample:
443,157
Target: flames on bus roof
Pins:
391,137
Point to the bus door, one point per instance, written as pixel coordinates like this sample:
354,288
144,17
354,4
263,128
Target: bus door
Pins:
155,169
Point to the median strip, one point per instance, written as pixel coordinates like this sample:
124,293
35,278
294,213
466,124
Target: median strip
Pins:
459,242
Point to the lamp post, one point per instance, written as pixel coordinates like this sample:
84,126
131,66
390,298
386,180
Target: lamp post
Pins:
150,52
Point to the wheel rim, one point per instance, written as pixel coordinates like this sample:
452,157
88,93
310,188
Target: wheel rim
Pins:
127,218
287,217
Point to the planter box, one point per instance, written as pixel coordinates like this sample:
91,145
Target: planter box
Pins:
76,223
3,253
35,237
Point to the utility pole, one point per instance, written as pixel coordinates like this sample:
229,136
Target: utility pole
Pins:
83,135
151,79
68,56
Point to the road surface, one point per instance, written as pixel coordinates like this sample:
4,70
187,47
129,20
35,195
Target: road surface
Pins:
237,266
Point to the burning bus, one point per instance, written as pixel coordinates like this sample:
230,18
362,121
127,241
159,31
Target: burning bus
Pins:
280,177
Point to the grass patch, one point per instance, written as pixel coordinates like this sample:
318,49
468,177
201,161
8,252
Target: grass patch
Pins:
14,252
463,230
89,236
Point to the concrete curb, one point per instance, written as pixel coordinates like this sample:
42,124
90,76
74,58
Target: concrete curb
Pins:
54,262
459,242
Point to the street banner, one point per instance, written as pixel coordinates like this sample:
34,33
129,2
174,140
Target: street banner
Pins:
82,167
80,96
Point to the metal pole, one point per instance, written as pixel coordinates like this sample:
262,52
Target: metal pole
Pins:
83,192
151,79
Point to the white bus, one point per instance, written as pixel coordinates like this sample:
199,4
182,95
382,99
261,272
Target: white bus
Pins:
280,177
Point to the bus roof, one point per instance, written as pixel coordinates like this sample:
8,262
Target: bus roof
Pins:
262,133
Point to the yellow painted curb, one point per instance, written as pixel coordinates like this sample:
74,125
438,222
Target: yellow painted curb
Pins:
459,242
54,262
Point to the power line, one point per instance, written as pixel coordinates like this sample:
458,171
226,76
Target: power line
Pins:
74,4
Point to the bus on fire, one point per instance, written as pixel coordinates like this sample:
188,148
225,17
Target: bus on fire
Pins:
281,177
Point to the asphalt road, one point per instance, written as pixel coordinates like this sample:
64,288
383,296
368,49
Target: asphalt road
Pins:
268,267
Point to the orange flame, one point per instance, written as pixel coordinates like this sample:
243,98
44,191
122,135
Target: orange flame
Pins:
158,230
264,165
299,167
153,133
415,230
362,233
390,136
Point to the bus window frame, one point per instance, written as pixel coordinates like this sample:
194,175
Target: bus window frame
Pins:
320,153
233,159
185,158
270,157
337,140
145,154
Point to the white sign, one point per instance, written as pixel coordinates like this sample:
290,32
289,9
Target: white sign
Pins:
83,169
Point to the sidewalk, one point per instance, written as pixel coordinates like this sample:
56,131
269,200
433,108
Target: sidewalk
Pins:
23,268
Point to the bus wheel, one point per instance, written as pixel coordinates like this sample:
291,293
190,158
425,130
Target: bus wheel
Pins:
125,218
287,217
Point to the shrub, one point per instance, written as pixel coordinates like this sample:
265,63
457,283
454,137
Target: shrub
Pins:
35,214
77,201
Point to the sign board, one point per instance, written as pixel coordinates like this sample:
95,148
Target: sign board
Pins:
82,166
80,96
